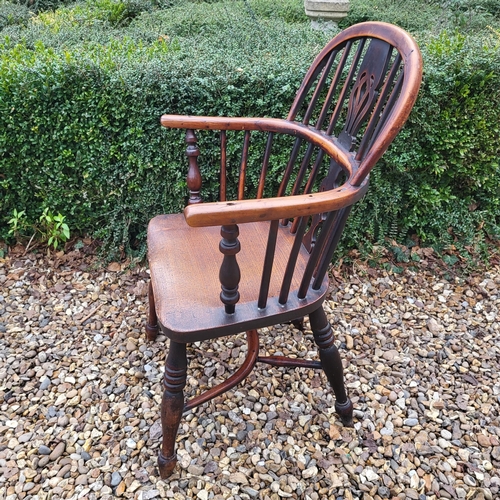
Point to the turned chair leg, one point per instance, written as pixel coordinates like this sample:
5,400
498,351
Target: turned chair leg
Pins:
172,405
152,321
331,363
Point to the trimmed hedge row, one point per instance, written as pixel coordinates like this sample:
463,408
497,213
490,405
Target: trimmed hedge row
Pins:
80,102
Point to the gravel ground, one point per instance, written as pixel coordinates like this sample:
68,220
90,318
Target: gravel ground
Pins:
80,390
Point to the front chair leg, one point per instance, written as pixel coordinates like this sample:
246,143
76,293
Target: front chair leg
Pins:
172,405
331,363
152,321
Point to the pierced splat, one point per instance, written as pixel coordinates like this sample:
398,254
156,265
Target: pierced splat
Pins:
366,90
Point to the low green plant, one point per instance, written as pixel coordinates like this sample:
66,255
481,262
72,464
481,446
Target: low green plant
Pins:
18,224
53,230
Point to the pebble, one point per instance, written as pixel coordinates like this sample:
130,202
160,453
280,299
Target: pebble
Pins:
58,451
45,383
82,418
44,450
310,472
410,422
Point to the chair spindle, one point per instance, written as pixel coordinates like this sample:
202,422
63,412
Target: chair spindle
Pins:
194,175
289,168
316,254
346,88
319,88
292,260
265,165
330,246
243,166
223,165
229,274
268,264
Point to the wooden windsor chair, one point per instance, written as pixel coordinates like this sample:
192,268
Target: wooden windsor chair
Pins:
228,267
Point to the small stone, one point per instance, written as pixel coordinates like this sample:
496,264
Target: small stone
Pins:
446,434
195,470
28,486
390,355
115,479
310,472
24,438
81,480
210,468
371,475
44,384
250,492
410,422
411,493
58,451
388,429
238,478
44,450
131,443
349,342
303,419
469,480
147,495
483,440
433,326
155,431
120,489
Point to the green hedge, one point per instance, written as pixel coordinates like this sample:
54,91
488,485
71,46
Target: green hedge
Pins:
82,89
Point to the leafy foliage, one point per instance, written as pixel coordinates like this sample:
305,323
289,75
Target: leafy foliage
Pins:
82,89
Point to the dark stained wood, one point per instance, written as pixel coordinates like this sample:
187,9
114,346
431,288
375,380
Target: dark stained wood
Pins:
268,264
172,405
381,112
265,165
193,176
292,261
289,362
330,182
152,327
187,296
330,245
287,207
229,274
331,362
364,93
316,255
244,370
272,261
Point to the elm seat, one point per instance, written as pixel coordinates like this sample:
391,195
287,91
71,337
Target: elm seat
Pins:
189,312
237,265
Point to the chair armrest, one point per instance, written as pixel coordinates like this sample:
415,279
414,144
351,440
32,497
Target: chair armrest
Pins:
237,212
276,125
